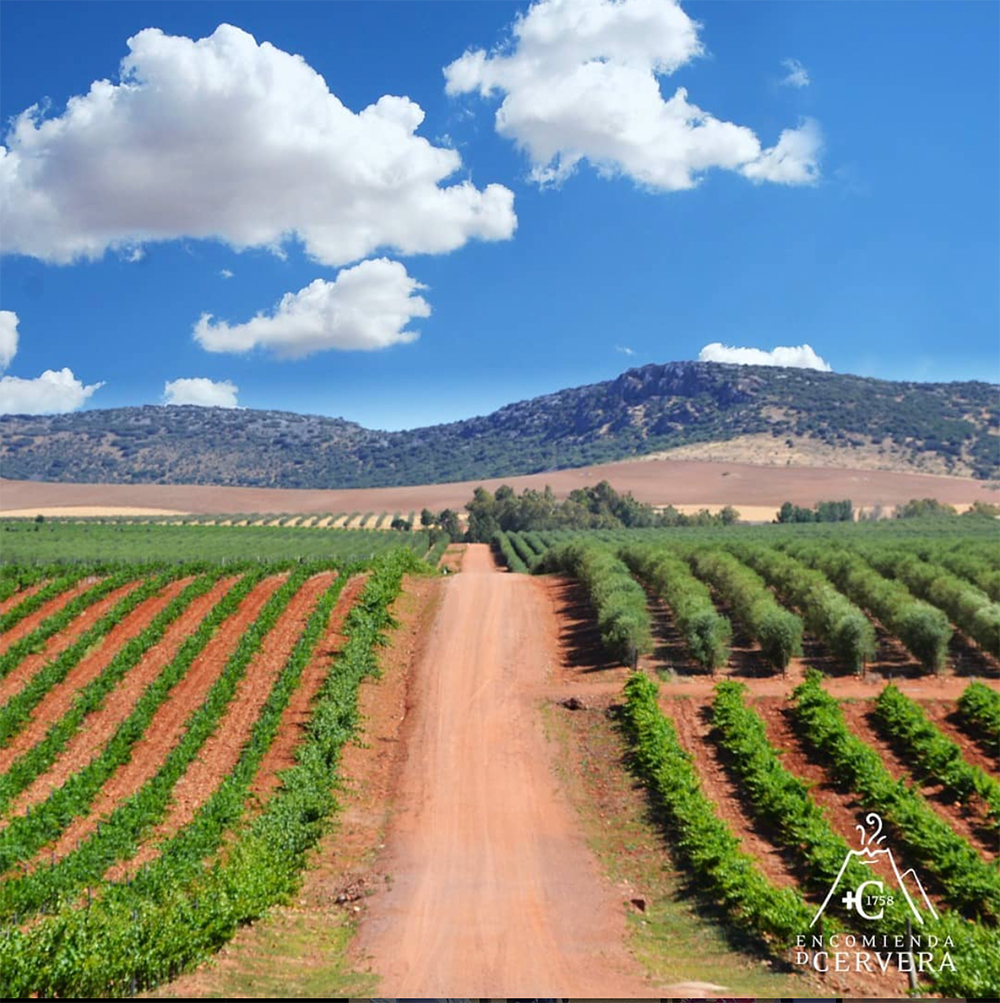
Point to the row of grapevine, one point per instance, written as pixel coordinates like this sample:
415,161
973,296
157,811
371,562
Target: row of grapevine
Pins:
967,881
43,822
618,600
924,630
723,873
706,633
781,801
40,757
15,712
979,710
935,757
778,631
138,933
507,554
61,582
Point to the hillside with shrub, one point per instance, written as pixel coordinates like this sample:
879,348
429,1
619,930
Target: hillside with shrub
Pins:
938,427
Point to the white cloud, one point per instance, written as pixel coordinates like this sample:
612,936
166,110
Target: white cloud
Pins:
54,392
8,338
797,357
579,81
202,391
793,161
224,138
624,349
366,307
226,273
798,75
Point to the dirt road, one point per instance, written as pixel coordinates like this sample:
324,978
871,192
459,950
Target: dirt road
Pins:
493,891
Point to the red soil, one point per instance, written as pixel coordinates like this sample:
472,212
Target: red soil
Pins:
27,624
99,726
494,891
842,808
18,597
280,755
943,715
693,723
60,641
219,754
168,723
60,698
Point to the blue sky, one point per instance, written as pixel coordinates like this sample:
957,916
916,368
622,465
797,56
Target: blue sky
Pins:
843,195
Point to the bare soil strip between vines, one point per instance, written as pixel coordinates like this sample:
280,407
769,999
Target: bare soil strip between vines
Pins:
100,725
60,698
18,597
167,726
16,680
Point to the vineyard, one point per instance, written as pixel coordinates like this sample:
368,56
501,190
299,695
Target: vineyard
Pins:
175,699
760,793
153,795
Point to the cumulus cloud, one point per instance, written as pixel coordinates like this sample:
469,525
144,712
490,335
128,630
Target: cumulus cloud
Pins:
580,82
230,139
8,338
366,307
226,273
202,391
54,392
797,356
798,75
793,161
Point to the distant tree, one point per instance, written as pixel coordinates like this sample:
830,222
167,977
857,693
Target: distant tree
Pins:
427,518
729,516
982,508
917,508
401,524
448,521
39,519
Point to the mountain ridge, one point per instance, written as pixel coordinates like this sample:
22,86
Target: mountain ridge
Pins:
954,427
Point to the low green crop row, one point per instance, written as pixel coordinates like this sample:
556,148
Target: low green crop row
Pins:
827,613
59,584
979,709
924,630
783,803
524,549
618,599
722,873
967,881
135,935
778,631
45,821
51,625
706,633
117,837
508,555
935,757
17,710
40,757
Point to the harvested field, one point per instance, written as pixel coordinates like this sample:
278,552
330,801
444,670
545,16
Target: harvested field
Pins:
698,483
